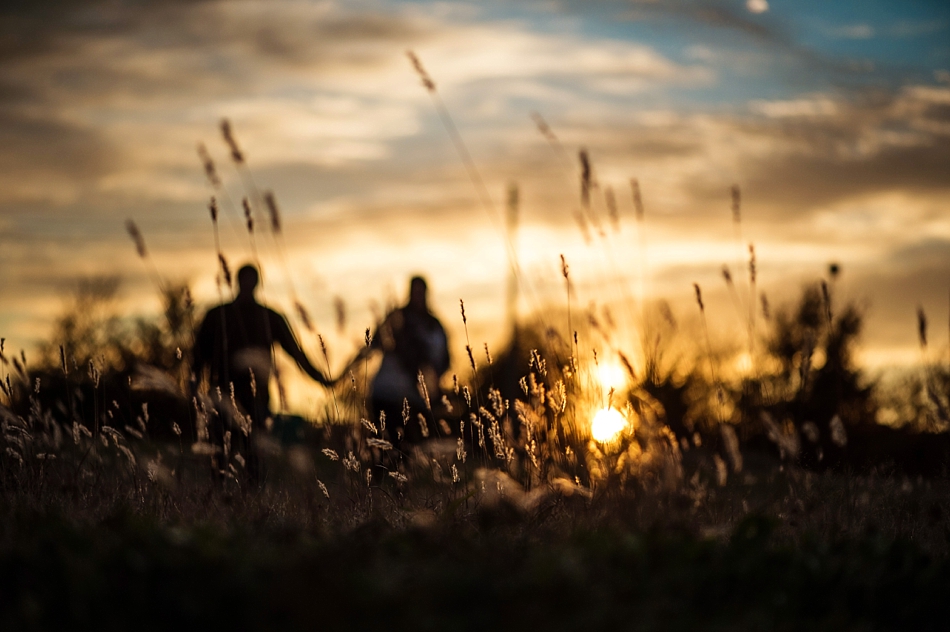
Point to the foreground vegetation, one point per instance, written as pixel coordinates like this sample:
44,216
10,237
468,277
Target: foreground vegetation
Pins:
776,550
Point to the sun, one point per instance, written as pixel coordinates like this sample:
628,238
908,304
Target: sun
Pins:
607,424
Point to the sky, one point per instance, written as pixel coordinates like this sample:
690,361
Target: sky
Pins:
833,119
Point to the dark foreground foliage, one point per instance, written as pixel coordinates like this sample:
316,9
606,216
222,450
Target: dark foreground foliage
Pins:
127,572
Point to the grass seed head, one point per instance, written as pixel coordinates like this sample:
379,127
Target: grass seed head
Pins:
225,270
323,348
380,444
736,204
586,178
339,307
248,216
637,200
826,298
304,316
752,264
228,135
421,71
208,163
543,127
136,236
274,212
611,201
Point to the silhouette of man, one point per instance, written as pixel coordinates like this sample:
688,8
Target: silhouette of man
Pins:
414,343
235,343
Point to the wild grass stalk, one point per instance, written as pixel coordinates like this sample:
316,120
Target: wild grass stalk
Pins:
733,293
753,270
609,268
474,175
714,374
643,262
132,228
218,189
589,183
566,166
278,235
326,359
476,424
511,289
5,386
736,207
571,332
240,163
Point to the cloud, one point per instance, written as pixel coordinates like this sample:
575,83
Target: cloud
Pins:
916,28
46,156
852,31
113,96
820,106
304,83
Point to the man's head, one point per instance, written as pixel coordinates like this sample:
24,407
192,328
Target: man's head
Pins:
417,294
247,278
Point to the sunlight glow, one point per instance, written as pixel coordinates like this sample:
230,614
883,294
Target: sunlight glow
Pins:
607,424
611,375
743,364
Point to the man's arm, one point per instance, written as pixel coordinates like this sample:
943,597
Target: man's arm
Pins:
283,335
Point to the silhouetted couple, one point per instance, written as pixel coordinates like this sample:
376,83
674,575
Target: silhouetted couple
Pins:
235,345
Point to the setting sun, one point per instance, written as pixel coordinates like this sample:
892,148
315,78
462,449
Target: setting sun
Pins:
607,424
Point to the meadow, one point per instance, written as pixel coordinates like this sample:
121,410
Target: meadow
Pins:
694,496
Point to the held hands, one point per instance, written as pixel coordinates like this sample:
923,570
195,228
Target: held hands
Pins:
346,372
